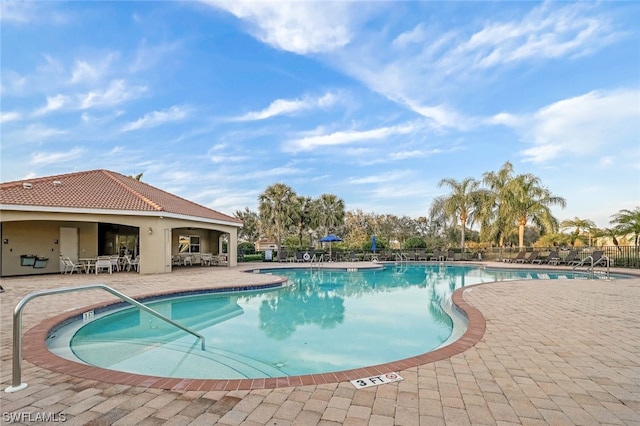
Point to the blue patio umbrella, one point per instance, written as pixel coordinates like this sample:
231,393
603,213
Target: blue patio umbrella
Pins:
329,239
373,244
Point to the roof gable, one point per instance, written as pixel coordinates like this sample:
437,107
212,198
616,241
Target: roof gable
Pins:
101,190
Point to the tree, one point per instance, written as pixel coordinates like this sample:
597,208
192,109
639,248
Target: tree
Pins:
276,207
462,203
579,227
250,222
529,201
498,222
302,216
328,211
627,222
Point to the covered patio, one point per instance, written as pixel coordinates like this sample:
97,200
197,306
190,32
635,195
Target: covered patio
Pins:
101,213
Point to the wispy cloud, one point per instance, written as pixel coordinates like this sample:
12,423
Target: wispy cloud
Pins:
308,143
42,158
54,103
299,27
116,93
91,71
579,126
148,56
157,118
6,116
287,107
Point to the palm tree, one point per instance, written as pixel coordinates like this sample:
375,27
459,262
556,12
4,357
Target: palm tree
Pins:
462,203
530,201
579,226
497,221
628,222
277,204
302,216
328,211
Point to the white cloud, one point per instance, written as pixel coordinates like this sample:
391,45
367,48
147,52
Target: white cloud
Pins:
286,107
299,27
41,158
9,116
309,143
19,12
117,92
38,132
581,126
54,103
84,71
157,118
149,56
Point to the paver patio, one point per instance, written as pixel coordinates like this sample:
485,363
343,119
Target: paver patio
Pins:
553,352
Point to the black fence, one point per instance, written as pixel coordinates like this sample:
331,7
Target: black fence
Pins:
619,256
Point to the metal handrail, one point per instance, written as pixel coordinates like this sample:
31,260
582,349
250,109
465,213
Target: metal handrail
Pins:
594,263
16,384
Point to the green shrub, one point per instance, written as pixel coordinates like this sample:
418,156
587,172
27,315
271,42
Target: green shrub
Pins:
253,257
415,242
246,248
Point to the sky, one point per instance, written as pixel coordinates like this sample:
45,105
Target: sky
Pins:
375,102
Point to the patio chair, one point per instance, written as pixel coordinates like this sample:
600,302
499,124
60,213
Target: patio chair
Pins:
69,266
421,255
451,256
135,264
299,256
103,263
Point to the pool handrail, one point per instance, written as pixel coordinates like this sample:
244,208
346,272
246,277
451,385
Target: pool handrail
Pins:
16,382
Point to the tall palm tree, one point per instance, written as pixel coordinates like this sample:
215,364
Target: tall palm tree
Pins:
579,227
302,216
628,222
328,212
497,221
276,206
529,201
462,203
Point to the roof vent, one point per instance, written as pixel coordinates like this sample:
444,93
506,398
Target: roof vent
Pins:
27,185
57,183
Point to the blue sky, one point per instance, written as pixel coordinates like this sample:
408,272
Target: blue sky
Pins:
375,102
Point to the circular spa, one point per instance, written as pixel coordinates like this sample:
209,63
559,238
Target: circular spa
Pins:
320,321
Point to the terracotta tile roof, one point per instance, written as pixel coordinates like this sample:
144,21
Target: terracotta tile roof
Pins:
101,190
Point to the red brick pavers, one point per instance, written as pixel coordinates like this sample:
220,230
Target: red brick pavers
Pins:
553,352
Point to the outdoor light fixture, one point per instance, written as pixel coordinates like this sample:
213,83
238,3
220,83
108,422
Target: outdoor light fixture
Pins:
150,230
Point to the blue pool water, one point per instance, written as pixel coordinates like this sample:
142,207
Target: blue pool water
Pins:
327,320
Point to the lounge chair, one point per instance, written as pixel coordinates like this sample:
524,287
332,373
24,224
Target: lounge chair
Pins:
534,257
520,257
299,256
437,255
571,259
451,256
553,258
282,255
421,255
529,259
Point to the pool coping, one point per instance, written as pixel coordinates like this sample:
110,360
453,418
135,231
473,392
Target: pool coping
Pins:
35,351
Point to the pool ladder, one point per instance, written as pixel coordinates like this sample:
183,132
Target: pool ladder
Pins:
16,382
592,263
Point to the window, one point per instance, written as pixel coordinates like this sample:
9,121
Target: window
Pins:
189,244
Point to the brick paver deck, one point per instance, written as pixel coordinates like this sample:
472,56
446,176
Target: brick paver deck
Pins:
553,352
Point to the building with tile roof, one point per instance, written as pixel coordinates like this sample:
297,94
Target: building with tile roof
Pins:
99,212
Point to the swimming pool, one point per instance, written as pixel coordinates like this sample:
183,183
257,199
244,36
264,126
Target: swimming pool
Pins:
325,320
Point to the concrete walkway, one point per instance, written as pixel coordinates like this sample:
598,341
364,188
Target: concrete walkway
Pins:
553,352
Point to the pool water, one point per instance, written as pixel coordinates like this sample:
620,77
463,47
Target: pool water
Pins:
324,321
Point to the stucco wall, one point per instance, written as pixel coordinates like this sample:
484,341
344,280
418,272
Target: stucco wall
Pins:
36,233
